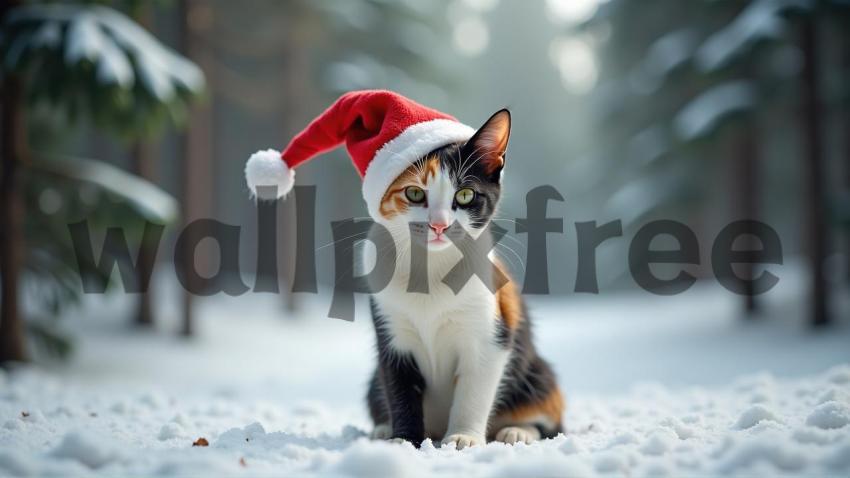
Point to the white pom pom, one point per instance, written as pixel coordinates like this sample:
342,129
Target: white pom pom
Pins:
267,168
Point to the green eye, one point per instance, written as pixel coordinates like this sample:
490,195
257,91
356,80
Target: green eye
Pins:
414,194
464,196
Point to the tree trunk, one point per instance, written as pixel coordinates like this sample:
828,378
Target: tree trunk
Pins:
143,163
746,172
14,138
196,18
143,166
846,116
815,207
296,83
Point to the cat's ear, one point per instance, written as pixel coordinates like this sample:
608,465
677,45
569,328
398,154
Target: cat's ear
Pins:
488,145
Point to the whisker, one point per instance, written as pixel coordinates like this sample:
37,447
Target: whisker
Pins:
504,219
522,263
474,161
341,239
508,235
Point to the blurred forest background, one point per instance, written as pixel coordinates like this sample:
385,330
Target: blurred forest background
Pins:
700,111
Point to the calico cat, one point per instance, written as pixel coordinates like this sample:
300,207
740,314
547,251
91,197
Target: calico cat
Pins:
462,367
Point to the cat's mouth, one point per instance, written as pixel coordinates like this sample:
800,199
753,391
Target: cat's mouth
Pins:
438,242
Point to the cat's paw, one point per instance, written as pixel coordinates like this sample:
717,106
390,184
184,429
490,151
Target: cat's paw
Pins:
513,435
462,440
401,441
382,431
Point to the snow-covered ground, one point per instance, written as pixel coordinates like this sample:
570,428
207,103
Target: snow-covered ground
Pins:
656,386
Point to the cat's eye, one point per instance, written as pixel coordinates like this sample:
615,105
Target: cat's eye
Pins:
464,196
414,194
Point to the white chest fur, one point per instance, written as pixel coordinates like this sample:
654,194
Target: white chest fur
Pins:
452,339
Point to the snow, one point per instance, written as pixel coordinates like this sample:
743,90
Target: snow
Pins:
755,415
160,67
157,205
90,450
674,386
48,35
84,40
829,415
704,113
649,144
663,57
122,50
671,50
113,67
635,199
770,448
760,20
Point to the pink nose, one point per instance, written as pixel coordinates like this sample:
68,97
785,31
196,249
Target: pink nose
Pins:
439,228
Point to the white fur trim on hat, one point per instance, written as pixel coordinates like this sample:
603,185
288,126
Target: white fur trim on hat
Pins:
397,155
267,168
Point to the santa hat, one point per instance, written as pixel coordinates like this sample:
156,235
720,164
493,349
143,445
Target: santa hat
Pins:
383,131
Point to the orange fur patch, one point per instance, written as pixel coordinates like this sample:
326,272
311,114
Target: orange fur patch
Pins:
509,303
508,299
429,169
551,407
394,201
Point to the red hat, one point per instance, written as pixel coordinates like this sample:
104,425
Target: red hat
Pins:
383,131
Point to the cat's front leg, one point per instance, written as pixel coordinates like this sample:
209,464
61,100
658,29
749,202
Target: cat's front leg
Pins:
404,386
475,392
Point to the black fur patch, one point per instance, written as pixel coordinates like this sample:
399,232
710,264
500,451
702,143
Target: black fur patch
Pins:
528,379
395,392
504,334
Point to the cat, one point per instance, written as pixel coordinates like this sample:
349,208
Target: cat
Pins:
460,368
